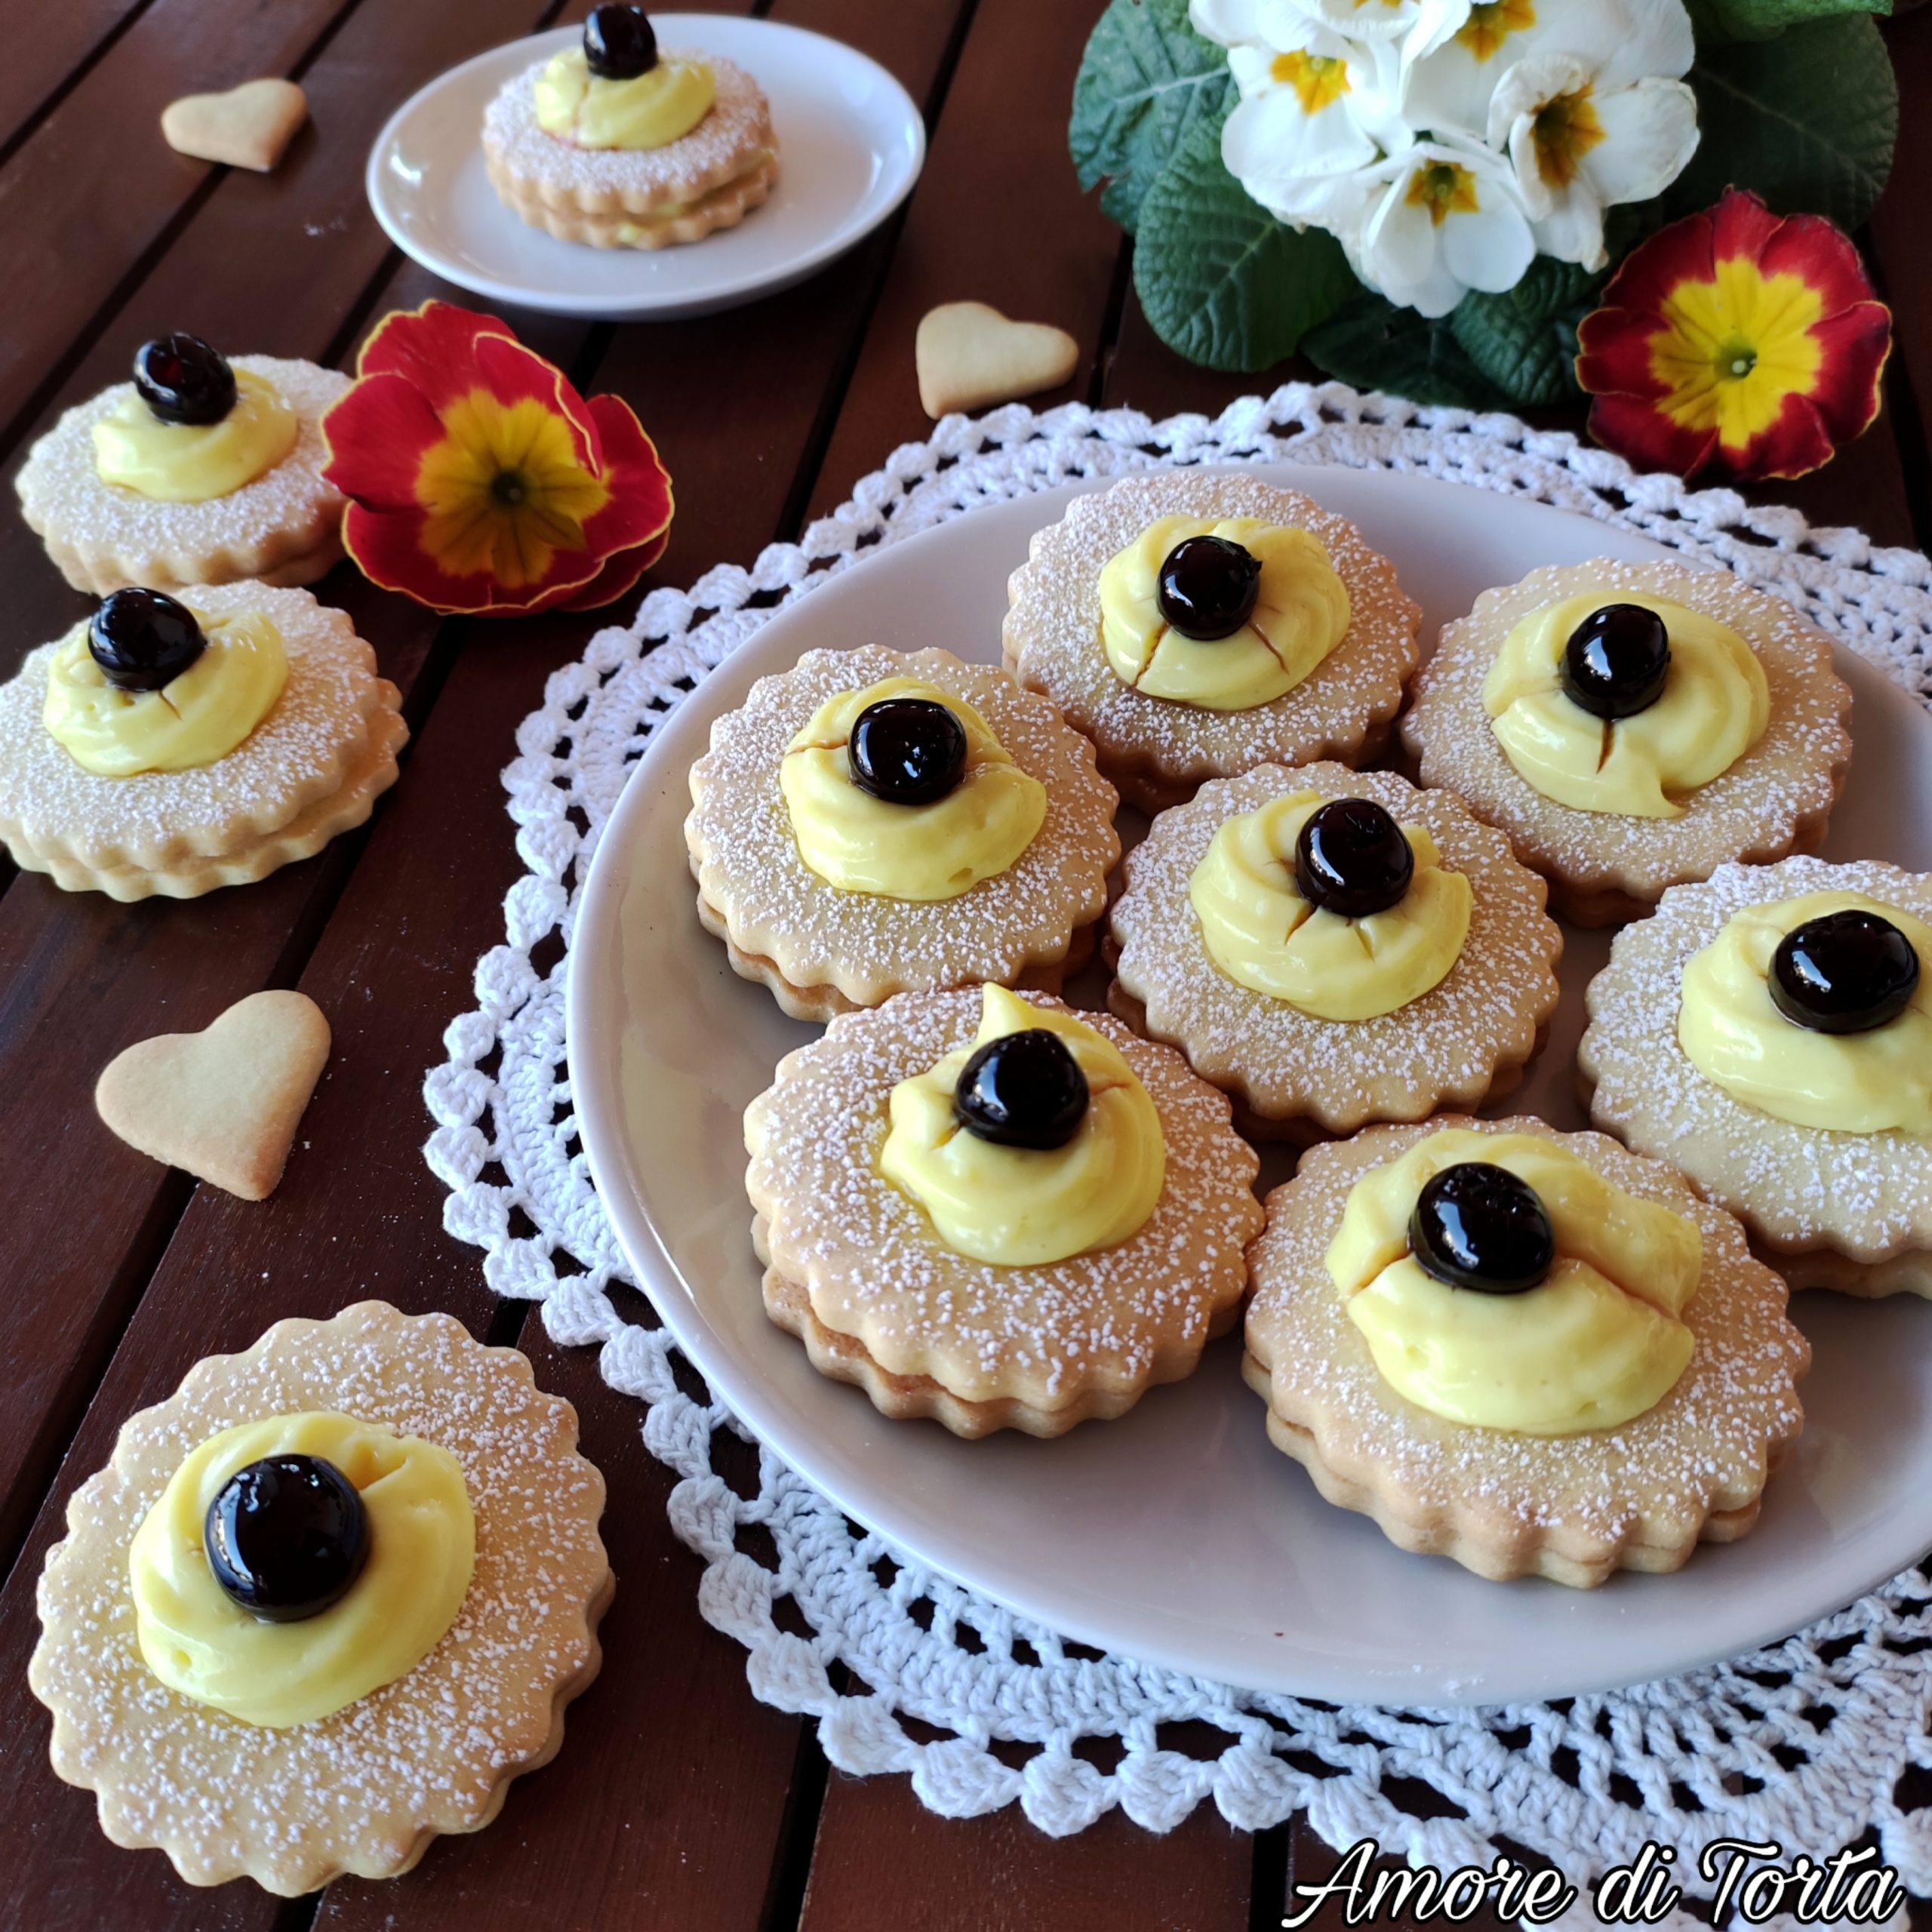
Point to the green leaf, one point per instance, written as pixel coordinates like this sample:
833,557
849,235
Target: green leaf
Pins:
1147,82
1524,341
1374,345
1221,280
1719,20
1808,120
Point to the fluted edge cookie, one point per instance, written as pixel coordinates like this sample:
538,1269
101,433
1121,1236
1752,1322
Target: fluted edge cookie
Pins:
285,528
855,1267
363,1791
1850,1212
1606,868
1292,1076
1158,752
823,950
1572,1508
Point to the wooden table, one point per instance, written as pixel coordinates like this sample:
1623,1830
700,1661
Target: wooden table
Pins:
679,1801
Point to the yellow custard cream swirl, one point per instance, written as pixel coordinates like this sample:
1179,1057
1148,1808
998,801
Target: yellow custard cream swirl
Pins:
1263,934
651,111
422,1550
862,844
1715,706
1301,615
1852,1083
196,718
1597,1344
189,463
1028,1207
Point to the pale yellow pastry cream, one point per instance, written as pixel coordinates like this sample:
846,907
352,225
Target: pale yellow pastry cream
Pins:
1026,1207
862,844
189,463
1853,1083
1599,1341
1300,616
193,720
651,110
1263,934
200,1642
1715,707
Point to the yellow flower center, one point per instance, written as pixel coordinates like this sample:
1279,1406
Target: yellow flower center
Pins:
1444,188
504,490
1565,129
1492,22
1731,350
1319,79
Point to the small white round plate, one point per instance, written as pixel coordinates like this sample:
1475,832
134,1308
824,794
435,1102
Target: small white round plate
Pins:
851,143
1178,1535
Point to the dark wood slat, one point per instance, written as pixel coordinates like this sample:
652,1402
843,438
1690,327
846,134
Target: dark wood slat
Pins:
41,62
883,1860
997,217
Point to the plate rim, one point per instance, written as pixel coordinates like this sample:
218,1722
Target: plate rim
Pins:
668,307
598,928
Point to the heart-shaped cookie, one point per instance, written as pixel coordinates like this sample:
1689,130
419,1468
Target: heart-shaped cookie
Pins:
223,1103
248,126
969,355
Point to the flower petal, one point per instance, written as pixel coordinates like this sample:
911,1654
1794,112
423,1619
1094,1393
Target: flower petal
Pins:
1857,345
1650,133
1647,437
432,347
641,504
1820,251
618,576
377,433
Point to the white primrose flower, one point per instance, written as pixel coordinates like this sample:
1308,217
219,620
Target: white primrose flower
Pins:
1427,225
1420,26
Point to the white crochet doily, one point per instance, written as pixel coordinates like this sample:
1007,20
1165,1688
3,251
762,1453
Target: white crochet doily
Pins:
1813,1743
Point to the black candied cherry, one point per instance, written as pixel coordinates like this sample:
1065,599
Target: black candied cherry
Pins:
620,43
908,750
287,1536
1352,858
1208,587
181,379
1617,661
1477,1225
142,639
1022,1090
1845,972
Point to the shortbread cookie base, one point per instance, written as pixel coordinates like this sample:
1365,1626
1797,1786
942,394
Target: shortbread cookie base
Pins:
1158,752
1574,1509
978,1346
1907,1274
1865,1197
823,950
373,773
361,1792
723,207
283,528
1604,867
1463,1043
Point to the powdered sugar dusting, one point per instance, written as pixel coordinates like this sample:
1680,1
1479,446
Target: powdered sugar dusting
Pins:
1868,1195
354,1790
1447,1045
1704,1447
875,1268
1052,636
1753,810
315,730
750,869
289,509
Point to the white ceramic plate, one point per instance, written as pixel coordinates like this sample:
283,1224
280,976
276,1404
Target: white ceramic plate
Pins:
851,143
1178,1534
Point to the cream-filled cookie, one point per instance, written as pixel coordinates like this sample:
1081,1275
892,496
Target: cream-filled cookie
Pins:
1195,626
1333,947
868,822
200,470
616,144
1632,727
172,746
1534,1352
983,1207
1769,1031
325,1603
